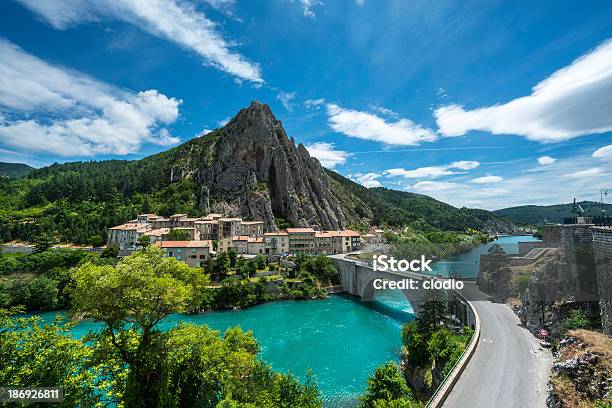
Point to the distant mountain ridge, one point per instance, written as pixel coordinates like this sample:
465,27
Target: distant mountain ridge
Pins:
248,168
539,214
14,170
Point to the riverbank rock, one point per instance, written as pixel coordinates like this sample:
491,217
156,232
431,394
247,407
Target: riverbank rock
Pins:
582,372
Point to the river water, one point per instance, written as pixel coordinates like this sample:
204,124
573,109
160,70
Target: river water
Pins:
341,339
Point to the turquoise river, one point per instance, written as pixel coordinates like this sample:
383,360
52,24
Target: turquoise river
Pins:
340,339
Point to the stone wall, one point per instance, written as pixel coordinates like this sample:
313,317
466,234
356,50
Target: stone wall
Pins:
551,234
602,245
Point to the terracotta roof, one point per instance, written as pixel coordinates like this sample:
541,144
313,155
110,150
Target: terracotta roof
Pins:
240,238
307,229
348,233
186,244
132,226
158,232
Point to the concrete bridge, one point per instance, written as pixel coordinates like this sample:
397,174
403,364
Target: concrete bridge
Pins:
357,279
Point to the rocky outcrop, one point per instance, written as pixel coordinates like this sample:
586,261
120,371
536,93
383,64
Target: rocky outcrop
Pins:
582,372
252,169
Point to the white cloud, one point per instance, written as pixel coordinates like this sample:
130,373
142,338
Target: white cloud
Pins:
574,101
177,21
385,111
546,160
594,171
314,103
307,6
366,179
434,171
432,186
368,126
360,2
603,152
487,180
89,117
224,121
327,154
286,99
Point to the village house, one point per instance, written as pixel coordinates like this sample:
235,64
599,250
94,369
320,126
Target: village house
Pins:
193,253
276,243
301,240
252,228
126,235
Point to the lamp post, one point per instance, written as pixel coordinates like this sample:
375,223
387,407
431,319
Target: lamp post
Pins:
603,192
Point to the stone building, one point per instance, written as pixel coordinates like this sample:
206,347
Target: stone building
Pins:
193,253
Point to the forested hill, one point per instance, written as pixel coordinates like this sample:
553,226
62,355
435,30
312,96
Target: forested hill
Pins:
14,170
382,206
540,214
248,168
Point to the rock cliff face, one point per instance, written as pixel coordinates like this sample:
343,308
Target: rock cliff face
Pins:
252,169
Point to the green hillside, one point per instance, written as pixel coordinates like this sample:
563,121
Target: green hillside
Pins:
14,170
538,215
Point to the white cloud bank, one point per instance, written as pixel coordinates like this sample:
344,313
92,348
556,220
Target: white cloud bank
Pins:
177,21
368,126
434,171
89,117
366,179
327,154
546,160
574,101
603,152
487,180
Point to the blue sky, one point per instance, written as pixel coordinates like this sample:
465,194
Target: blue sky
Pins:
481,104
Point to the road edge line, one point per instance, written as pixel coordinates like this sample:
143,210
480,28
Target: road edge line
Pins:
449,382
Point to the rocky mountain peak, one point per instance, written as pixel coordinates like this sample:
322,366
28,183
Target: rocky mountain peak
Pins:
258,172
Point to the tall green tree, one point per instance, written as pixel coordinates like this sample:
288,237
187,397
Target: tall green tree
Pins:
177,234
387,388
132,299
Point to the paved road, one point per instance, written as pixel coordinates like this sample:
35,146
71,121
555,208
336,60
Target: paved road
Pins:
508,369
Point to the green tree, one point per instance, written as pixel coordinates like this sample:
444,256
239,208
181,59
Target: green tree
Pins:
177,234
111,251
43,243
388,388
233,256
144,241
222,264
260,262
33,354
131,299
43,293
95,240
433,314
